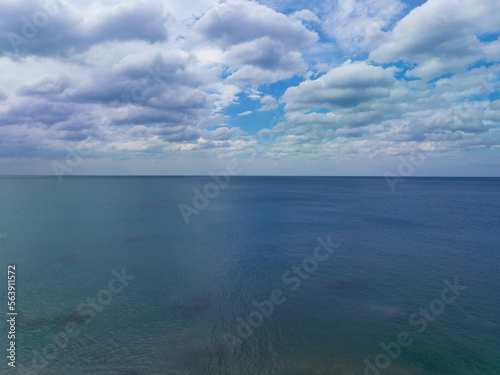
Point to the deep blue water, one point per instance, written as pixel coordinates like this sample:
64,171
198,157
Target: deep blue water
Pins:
196,285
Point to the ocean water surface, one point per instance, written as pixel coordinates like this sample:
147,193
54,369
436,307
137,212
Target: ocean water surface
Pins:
276,275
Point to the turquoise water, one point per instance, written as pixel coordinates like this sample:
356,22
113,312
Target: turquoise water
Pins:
190,286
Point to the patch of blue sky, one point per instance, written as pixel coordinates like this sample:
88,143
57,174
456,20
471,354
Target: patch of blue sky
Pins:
414,3
480,64
494,96
402,67
488,37
226,72
246,115
254,122
442,76
357,56
277,89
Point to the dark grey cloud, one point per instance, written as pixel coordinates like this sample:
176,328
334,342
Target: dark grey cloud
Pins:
28,111
128,21
45,86
55,28
142,80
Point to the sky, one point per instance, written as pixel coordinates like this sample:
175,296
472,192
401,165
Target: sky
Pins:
317,87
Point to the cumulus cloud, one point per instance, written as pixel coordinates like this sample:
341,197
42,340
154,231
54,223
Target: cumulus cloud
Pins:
347,86
57,28
265,53
354,79
240,21
306,15
441,37
356,24
359,108
118,83
45,86
268,103
260,44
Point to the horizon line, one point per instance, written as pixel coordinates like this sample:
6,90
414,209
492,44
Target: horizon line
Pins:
208,175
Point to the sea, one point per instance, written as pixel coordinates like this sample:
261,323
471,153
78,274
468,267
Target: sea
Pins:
233,275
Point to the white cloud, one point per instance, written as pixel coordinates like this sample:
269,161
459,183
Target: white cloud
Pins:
358,23
258,44
306,15
268,103
347,86
157,79
240,21
441,36
246,113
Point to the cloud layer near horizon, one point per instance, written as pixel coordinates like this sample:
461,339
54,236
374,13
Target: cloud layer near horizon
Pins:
347,81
